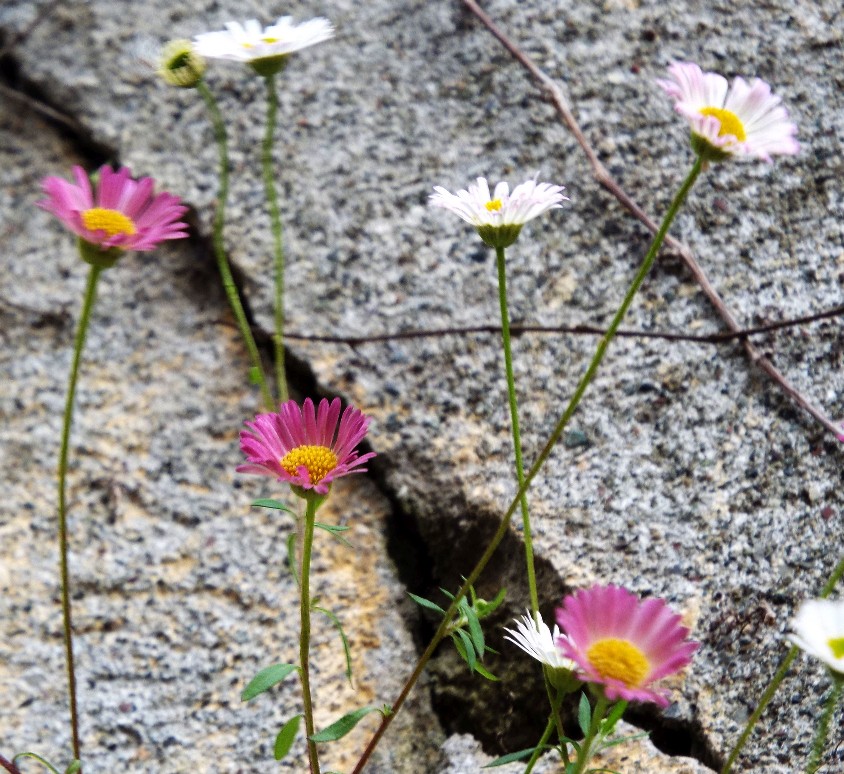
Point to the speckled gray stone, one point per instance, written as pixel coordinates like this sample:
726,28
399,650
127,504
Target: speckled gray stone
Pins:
697,480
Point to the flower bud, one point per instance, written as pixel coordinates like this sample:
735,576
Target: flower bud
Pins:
180,65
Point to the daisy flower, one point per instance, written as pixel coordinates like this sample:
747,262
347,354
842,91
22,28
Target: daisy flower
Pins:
743,120
535,638
499,216
819,630
305,447
622,643
122,214
264,49
179,64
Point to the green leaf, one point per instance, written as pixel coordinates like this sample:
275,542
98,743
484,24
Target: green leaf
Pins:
484,672
421,601
73,767
291,557
339,728
36,757
336,621
468,652
284,740
584,715
623,739
485,608
334,531
613,717
266,679
276,505
510,758
476,631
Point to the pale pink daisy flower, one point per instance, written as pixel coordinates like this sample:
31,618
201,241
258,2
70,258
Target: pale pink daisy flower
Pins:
623,643
123,214
819,630
305,447
536,639
743,120
500,215
252,44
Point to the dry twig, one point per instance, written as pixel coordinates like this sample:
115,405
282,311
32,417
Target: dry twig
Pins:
607,181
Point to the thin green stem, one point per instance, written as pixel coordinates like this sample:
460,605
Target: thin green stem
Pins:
777,679
537,465
305,633
78,346
220,249
275,221
514,424
823,723
586,745
553,721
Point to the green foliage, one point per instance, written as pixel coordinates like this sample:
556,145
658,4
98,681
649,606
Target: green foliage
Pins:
339,728
346,650
266,679
335,531
284,740
275,505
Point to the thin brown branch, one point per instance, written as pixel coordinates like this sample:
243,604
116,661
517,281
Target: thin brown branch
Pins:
589,330
9,766
606,180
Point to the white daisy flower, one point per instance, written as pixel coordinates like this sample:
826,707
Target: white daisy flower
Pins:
535,638
819,630
251,44
499,216
743,120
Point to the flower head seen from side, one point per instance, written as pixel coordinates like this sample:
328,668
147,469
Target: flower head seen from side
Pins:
819,630
745,119
179,64
500,215
265,50
306,447
622,643
121,214
535,638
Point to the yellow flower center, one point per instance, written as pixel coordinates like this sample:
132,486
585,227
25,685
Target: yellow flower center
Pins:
730,122
319,460
269,39
113,222
494,205
836,645
619,660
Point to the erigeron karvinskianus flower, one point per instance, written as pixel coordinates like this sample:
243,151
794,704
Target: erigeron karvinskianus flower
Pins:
744,119
121,214
305,447
819,630
499,216
180,65
535,638
265,50
621,643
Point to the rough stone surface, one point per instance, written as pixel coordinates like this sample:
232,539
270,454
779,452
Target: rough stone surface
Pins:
687,474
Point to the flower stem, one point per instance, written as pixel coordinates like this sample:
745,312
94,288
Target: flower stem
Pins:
220,250
514,423
586,745
823,723
540,461
305,633
275,220
78,346
553,721
774,685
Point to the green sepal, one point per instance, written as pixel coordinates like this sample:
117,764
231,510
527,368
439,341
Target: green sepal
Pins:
101,257
267,66
266,679
706,150
285,737
339,728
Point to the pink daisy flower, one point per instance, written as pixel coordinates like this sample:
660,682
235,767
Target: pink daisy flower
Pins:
123,213
304,447
743,120
623,643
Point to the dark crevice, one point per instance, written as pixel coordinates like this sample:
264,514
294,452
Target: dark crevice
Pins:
432,544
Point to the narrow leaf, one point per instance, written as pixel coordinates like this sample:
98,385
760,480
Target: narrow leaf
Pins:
346,650
484,672
35,757
334,532
276,505
73,767
266,679
476,632
425,603
469,649
339,728
613,717
510,758
584,715
284,740
291,557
